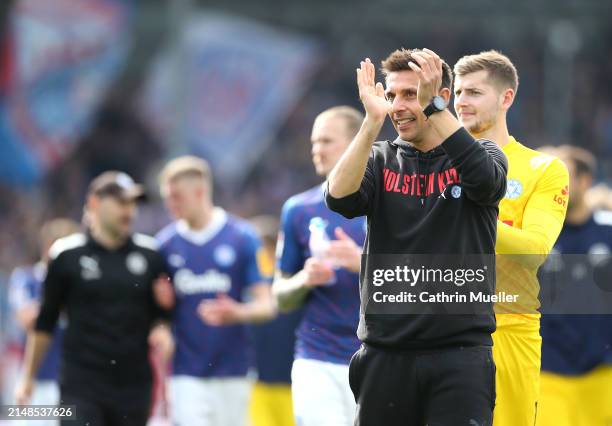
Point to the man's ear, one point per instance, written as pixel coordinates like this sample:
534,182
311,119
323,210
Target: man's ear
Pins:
586,181
445,93
507,99
92,202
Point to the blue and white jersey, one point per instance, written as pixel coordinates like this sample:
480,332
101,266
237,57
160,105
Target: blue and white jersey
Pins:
25,288
575,344
331,312
221,258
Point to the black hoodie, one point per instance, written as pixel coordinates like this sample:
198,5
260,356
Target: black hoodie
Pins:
444,201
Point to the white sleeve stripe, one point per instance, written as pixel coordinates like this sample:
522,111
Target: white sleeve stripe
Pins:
66,243
145,241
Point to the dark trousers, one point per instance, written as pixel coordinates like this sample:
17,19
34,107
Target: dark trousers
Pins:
447,387
106,404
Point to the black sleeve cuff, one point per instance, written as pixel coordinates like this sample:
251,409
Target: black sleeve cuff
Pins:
346,205
45,325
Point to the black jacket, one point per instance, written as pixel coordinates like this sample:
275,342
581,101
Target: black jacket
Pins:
444,201
107,296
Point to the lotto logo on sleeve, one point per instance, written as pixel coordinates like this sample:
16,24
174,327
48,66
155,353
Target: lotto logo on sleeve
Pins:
561,198
565,191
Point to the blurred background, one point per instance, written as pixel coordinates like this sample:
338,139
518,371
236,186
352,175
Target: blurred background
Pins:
94,85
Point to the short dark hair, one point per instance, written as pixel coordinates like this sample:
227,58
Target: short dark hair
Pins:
399,59
584,162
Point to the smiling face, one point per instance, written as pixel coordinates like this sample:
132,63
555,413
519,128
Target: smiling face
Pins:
406,112
480,104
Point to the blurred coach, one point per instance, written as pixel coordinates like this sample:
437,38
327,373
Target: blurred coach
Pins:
103,280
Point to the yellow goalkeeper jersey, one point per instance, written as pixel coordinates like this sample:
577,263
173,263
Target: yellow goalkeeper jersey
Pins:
531,216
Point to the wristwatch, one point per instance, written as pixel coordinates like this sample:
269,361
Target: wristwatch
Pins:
437,104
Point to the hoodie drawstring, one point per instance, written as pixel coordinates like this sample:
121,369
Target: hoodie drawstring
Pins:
418,176
422,191
427,168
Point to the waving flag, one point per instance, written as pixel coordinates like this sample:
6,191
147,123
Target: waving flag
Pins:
59,59
226,88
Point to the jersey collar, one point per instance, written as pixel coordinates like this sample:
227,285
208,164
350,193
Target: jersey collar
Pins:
92,242
204,235
511,145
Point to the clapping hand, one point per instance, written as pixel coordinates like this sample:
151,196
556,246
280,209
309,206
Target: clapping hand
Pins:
429,70
372,94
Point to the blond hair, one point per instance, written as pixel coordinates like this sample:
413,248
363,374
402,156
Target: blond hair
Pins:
352,117
186,166
499,67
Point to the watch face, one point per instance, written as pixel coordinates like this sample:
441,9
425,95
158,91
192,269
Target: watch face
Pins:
439,103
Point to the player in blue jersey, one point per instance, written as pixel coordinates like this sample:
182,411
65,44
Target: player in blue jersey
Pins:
576,380
325,282
25,294
213,258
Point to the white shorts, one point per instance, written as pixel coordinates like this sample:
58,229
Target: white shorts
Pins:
321,394
196,401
